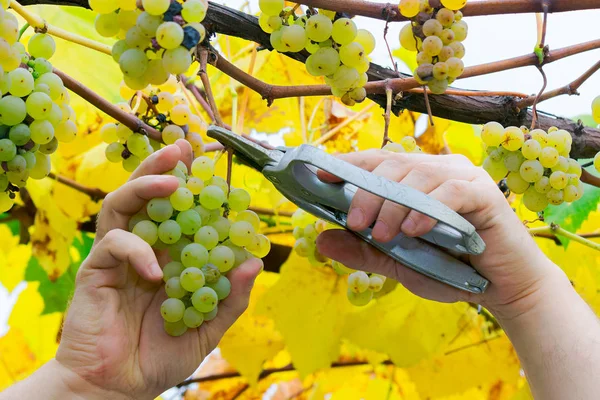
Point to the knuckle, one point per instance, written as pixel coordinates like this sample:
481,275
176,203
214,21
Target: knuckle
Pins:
455,187
461,159
425,170
114,237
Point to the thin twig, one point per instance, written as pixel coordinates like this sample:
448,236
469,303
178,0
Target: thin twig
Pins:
590,179
269,211
428,106
204,53
339,127
388,112
570,89
545,10
534,108
558,231
389,49
131,121
94,193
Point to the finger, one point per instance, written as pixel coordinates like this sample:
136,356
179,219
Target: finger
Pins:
242,280
464,197
424,177
354,253
187,154
365,206
160,162
130,198
117,249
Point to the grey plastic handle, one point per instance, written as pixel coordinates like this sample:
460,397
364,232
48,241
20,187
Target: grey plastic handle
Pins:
332,201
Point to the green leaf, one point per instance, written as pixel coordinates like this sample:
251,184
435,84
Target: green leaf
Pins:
572,216
56,294
586,119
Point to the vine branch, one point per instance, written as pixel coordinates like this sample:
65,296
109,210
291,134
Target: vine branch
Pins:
94,193
554,229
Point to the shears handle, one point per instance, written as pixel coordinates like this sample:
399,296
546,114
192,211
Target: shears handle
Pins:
296,177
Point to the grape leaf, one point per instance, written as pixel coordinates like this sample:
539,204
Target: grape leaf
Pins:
572,216
56,293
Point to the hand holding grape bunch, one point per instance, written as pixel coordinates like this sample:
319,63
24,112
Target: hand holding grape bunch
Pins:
116,310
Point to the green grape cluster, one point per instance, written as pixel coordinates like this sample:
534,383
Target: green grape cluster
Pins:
407,144
361,286
34,109
596,115
167,111
202,244
535,164
339,51
436,33
156,37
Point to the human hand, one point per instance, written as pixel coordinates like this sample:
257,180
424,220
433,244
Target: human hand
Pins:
512,261
113,337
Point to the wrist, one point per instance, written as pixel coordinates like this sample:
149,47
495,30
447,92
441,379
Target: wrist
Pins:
535,295
73,386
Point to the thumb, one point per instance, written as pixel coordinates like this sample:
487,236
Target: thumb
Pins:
242,281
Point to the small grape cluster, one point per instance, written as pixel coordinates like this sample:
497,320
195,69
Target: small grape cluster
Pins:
361,286
164,109
202,243
535,164
339,51
596,115
435,32
155,40
407,144
34,109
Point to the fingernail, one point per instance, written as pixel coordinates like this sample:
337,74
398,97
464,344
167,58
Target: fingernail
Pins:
381,231
408,226
356,217
156,271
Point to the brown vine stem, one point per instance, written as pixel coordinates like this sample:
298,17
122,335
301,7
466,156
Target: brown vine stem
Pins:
198,96
590,179
204,53
269,211
570,89
389,49
94,193
472,9
131,121
388,113
273,92
471,93
267,372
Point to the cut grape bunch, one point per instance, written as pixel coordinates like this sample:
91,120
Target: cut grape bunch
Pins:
202,244
436,33
34,109
535,164
165,110
339,51
362,287
154,41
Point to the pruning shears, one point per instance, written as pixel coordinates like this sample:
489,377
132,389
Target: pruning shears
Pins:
293,171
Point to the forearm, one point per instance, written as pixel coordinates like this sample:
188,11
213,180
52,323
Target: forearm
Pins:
558,343
54,381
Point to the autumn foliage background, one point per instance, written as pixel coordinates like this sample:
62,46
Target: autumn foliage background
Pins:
398,347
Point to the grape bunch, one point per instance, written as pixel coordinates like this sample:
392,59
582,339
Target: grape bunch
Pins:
155,39
361,286
164,109
436,33
339,51
535,164
596,115
34,109
407,144
202,243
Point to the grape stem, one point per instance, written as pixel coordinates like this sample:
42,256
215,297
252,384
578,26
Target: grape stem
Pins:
387,117
22,31
38,22
472,9
555,230
590,179
570,89
389,49
94,193
534,107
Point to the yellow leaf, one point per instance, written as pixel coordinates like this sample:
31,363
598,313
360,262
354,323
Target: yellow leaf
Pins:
461,139
252,340
407,328
308,305
96,171
409,58
13,264
39,331
17,360
480,364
